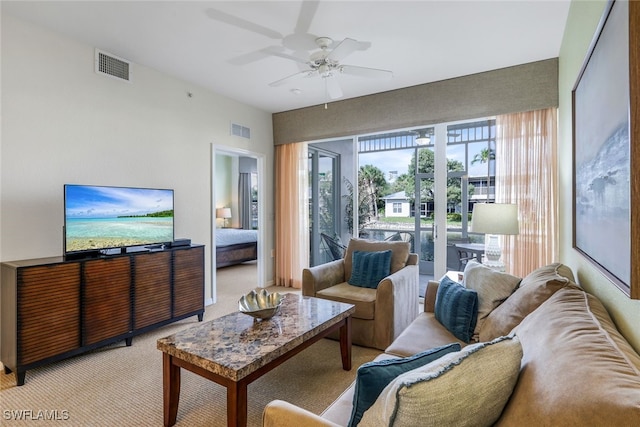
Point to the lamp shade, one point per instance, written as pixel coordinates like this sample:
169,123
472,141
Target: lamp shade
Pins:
495,218
223,213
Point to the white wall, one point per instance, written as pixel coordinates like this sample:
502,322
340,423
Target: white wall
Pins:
581,26
62,123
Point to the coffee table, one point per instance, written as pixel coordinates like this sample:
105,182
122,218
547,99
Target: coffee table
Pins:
236,349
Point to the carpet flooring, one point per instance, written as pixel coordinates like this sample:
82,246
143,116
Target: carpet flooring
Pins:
122,386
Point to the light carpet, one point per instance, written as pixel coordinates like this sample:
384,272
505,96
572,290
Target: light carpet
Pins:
122,386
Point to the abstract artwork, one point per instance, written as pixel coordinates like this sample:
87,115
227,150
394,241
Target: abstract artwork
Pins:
602,150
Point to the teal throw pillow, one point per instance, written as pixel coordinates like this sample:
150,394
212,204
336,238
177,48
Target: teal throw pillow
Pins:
369,268
373,377
456,308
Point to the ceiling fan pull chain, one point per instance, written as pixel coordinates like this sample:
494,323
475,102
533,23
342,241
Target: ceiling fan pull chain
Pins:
326,92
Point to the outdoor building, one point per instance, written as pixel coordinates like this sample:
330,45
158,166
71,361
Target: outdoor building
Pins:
397,205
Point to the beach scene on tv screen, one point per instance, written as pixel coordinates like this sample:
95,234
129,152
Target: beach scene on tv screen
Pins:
110,217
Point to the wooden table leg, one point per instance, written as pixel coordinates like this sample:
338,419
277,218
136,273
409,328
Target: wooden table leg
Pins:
170,389
345,344
237,404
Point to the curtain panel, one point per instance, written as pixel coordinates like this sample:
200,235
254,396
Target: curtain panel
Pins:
291,214
527,175
244,200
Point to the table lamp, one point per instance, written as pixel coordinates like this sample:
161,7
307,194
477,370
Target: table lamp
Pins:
223,213
494,219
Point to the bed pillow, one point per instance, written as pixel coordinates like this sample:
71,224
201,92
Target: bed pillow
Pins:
373,377
369,268
456,308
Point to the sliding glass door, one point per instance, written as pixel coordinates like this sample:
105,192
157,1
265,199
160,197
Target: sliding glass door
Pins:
324,201
417,185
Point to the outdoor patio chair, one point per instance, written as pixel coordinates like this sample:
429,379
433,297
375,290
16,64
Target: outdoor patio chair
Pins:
336,248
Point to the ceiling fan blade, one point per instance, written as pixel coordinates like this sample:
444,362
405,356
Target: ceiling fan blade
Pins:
333,87
345,48
250,57
221,16
292,77
366,72
279,51
307,12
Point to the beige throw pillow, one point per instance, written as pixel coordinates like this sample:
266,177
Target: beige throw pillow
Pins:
493,287
534,289
466,388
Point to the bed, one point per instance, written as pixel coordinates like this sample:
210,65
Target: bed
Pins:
235,246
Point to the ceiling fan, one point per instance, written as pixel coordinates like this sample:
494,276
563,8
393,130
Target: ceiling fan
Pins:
327,64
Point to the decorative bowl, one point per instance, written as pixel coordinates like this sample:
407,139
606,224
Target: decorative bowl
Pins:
260,304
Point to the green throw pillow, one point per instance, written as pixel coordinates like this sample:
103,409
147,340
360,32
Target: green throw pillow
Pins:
456,308
373,377
369,268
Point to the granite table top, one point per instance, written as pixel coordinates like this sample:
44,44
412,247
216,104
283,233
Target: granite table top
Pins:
235,345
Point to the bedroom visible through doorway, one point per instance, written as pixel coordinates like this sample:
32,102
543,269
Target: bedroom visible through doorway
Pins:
236,221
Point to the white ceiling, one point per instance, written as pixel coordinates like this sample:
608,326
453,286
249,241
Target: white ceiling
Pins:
220,45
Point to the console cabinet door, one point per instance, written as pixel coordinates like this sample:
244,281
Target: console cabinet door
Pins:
188,281
48,311
106,312
152,295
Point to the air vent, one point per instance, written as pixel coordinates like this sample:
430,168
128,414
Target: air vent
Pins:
241,131
112,66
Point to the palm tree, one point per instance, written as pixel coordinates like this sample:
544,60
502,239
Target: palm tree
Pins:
372,180
484,156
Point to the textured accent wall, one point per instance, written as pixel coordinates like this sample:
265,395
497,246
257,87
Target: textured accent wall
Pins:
524,87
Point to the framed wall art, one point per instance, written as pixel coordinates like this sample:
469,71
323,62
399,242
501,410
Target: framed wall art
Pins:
605,124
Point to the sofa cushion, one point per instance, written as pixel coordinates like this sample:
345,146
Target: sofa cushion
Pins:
466,388
577,369
457,308
363,298
399,253
493,289
369,268
373,377
424,332
533,290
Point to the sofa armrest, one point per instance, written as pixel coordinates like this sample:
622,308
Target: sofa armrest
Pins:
279,413
413,259
430,296
319,277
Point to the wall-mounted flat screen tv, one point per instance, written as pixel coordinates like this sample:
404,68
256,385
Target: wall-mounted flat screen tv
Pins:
97,218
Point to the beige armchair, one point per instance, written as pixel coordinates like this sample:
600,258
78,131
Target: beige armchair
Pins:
381,313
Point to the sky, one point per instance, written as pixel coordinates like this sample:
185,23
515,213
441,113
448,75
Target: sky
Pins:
398,160
83,201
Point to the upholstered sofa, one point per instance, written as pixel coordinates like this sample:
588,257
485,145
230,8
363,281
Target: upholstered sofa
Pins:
573,367
385,307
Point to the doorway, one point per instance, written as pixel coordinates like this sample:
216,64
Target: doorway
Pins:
226,191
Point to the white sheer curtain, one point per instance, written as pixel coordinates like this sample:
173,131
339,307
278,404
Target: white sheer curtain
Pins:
291,214
527,175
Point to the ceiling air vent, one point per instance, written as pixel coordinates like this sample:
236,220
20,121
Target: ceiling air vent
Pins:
112,66
241,131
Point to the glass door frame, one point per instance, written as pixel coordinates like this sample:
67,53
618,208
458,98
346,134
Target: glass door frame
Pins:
314,154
